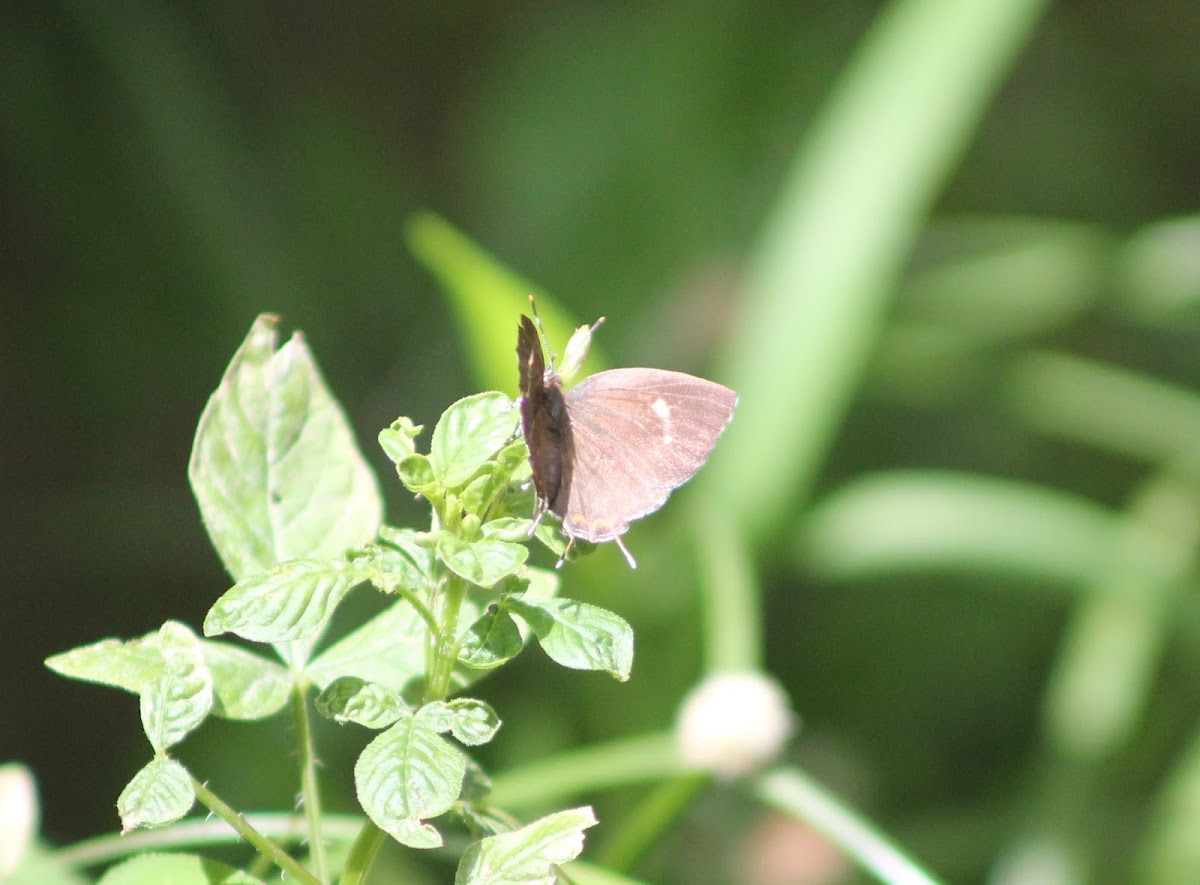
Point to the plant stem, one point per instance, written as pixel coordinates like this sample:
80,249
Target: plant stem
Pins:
265,846
280,828
656,814
310,789
793,792
640,759
446,643
362,854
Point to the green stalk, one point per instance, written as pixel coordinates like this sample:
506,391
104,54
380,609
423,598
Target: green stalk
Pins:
265,846
362,854
310,789
793,792
446,643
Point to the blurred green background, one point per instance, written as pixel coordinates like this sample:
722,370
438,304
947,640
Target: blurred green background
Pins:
973,511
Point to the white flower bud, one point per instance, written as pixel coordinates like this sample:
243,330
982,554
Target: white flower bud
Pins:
577,350
18,815
733,723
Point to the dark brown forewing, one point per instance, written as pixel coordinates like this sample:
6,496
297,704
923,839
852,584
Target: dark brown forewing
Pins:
638,434
529,357
542,418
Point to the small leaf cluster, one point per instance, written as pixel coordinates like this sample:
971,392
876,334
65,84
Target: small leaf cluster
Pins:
296,516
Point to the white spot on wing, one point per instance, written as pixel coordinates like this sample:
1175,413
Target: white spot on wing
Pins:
663,411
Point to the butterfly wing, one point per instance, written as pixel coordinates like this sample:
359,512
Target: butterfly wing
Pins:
637,434
543,420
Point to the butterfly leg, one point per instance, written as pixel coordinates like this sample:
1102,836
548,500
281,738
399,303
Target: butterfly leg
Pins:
566,552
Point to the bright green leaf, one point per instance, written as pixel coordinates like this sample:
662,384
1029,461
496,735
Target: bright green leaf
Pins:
483,562
491,640
181,697
245,686
472,722
527,855
274,466
486,296
293,600
407,775
470,433
399,561
388,650
417,473
350,699
578,635
508,528
158,794
479,493
132,665
397,440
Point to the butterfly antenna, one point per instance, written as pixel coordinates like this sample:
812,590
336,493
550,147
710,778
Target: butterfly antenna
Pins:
625,550
537,321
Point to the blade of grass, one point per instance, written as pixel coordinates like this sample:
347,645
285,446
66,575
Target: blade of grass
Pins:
792,792
847,215
488,299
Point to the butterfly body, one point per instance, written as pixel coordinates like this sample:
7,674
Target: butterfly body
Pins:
612,449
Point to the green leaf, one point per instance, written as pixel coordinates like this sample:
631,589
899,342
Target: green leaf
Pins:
482,562
399,561
350,699
132,665
245,685
513,460
293,600
388,650
158,794
274,466
406,775
397,440
491,640
181,697
469,434
175,869
472,722
578,635
527,855
478,494
508,528
417,473
552,537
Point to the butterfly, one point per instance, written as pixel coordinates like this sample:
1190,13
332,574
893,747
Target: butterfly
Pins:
612,448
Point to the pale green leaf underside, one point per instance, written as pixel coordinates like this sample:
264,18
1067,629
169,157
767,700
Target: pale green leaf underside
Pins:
388,650
468,434
158,794
293,600
245,686
490,641
274,467
350,699
580,636
406,775
132,666
483,562
527,855
179,700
